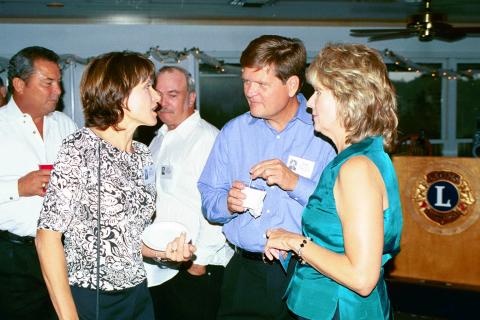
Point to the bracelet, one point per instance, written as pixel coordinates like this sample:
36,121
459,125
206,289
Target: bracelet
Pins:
300,247
161,260
158,258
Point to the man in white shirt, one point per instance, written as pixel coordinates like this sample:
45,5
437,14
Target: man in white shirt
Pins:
180,149
3,93
31,132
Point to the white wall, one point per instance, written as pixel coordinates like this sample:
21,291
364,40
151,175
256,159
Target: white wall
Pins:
222,41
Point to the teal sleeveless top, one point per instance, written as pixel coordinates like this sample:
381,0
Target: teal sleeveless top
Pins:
311,294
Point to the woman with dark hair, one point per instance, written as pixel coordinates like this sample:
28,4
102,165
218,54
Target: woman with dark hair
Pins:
101,196
352,223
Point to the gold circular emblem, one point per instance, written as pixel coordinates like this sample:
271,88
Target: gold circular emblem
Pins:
443,202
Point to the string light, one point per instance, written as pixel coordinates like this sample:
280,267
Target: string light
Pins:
162,56
421,69
171,56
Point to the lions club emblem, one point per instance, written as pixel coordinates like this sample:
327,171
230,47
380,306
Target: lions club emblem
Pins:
444,198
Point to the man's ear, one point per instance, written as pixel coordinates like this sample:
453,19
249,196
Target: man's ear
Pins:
191,99
3,91
293,83
18,85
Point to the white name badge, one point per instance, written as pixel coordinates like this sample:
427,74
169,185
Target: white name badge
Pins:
165,171
149,175
302,167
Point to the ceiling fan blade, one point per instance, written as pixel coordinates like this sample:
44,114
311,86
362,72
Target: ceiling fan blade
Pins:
456,34
426,25
383,34
390,36
368,32
443,31
448,37
470,31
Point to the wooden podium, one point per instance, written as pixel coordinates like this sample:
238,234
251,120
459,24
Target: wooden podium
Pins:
439,243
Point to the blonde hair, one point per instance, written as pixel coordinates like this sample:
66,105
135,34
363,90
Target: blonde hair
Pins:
358,79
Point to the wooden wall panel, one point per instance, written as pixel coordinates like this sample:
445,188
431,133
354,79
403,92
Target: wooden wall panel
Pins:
450,253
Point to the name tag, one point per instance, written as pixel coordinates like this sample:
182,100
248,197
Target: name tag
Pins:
165,171
302,167
149,175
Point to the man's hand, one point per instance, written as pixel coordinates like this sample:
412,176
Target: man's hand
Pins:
275,172
179,250
197,270
235,198
34,183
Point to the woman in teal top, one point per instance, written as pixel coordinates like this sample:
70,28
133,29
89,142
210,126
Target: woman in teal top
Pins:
353,221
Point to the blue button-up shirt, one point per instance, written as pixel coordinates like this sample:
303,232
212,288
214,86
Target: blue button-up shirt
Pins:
244,142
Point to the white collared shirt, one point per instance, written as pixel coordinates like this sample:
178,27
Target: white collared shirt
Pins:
182,153
23,149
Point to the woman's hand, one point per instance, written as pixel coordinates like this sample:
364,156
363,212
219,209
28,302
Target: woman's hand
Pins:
280,241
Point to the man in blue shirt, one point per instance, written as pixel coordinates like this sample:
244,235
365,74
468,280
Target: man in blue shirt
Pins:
257,149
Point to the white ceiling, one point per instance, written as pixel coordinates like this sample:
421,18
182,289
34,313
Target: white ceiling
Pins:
342,12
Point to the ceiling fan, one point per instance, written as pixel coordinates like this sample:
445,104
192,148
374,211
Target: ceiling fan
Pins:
427,26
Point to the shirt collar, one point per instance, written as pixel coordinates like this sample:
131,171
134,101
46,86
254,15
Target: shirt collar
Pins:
13,111
368,143
184,128
301,114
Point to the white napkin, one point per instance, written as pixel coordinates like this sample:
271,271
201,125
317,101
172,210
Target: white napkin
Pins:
254,201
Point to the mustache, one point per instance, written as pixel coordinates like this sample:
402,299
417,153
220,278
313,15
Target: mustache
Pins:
163,109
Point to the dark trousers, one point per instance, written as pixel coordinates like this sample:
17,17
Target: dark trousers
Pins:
23,293
186,296
129,304
253,289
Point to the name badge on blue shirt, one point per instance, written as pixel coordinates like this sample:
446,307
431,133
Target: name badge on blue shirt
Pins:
302,167
149,175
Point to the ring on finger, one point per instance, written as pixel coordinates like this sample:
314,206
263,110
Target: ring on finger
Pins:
44,185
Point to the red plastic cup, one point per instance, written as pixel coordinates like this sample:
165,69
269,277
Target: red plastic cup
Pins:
45,166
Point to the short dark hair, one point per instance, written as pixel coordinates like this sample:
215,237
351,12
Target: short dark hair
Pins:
1,82
21,64
287,55
107,81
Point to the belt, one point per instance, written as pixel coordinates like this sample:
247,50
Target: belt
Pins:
13,238
258,256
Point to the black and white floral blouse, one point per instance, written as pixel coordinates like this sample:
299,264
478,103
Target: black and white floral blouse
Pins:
127,197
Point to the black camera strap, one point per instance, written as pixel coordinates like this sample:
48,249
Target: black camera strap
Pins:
97,308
